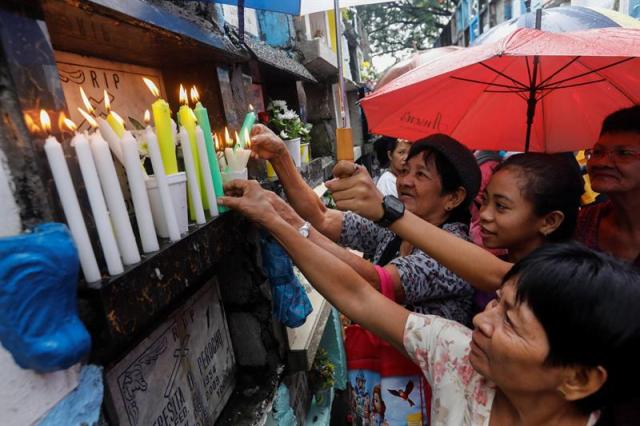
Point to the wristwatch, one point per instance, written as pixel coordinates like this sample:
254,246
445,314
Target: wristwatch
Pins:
393,210
305,229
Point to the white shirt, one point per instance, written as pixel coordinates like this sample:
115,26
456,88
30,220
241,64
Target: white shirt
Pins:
387,184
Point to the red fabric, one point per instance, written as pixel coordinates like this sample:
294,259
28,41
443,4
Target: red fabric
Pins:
432,98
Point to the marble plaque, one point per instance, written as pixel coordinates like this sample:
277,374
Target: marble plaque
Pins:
128,94
182,373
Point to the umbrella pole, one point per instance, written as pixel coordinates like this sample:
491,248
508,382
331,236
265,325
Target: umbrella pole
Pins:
344,135
532,101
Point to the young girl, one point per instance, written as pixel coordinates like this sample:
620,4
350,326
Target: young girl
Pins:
531,199
396,152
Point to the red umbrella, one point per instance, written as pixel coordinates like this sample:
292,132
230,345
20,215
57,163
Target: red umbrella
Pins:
532,90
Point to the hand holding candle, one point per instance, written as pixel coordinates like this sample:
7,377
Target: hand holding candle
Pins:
69,201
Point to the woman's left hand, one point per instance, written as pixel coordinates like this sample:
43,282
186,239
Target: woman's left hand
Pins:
354,190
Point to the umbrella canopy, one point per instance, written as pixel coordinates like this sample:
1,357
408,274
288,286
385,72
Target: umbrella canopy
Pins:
414,61
298,7
555,87
561,19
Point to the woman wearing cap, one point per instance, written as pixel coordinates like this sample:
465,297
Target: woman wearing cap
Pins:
440,180
559,344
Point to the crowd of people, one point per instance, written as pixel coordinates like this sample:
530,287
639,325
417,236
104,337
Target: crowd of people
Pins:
556,335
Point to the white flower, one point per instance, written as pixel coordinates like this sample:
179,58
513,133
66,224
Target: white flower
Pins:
279,104
284,134
289,115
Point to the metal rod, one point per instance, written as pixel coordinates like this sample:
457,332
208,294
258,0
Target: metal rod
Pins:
532,101
342,85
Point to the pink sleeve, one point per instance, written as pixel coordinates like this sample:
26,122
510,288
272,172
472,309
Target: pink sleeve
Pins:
386,282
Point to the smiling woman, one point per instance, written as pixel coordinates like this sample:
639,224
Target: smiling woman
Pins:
560,344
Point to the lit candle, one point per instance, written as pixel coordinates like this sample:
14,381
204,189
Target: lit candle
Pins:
80,143
206,171
113,196
139,194
69,201
105,129
237,158
165,138
163,184
187,120
115,121
203,121
192,176
245,130
220,154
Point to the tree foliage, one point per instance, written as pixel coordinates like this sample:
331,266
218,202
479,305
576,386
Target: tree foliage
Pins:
402,26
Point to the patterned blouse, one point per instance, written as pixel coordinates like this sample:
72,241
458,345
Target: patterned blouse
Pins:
429,287
460,395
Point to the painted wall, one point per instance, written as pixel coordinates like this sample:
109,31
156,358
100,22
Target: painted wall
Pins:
10,223
276,29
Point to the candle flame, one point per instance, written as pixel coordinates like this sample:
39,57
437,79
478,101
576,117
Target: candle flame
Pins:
152,87
227,137
70,124
195,96
117,117
236,139
107,103
147,117
184,100
31,125
45,121
216,142
250,107
247,139
87,117
85,101
61,118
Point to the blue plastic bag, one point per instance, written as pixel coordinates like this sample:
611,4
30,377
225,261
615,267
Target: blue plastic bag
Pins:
291,305
39,321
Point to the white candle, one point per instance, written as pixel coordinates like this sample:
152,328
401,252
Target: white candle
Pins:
231,158
139,194
71,207
206,171
163,184
111,137
115,200
192,176
98,206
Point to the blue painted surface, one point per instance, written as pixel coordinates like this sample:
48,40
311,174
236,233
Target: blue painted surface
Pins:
82,406
333,343
275,28
291,7
159,17
282,414
291,305
39,321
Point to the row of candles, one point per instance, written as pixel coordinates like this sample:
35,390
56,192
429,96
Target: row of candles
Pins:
203,158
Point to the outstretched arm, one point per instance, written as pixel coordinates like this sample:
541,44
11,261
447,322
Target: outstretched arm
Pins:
357,192
267,145
343,287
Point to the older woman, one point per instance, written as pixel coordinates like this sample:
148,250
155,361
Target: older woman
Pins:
614,170
439,182
560,342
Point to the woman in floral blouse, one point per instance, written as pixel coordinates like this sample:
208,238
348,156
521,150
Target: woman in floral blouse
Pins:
559,344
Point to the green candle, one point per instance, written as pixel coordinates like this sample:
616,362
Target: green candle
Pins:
203,121
249,121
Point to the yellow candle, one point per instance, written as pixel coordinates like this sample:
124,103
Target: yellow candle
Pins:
164,132
187,120
115,121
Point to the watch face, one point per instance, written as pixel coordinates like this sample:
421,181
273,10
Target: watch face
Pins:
394,203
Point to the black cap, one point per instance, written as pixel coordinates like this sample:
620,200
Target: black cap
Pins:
460,157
